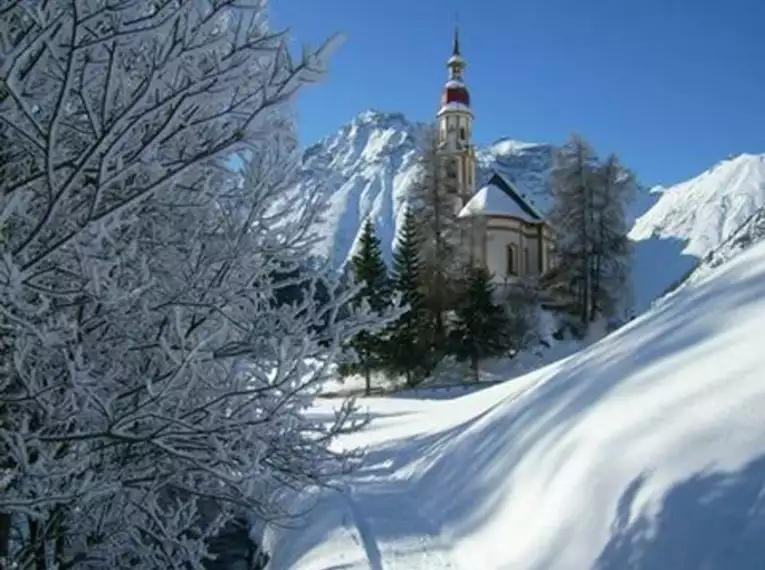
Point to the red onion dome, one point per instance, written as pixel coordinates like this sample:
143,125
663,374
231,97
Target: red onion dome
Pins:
455,94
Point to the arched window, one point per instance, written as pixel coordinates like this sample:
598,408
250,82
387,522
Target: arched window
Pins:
463,134
511,268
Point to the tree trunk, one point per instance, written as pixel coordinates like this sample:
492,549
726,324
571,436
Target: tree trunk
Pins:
5,534
368,380
475,368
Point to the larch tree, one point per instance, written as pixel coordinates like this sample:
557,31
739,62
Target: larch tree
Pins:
588,215
434,199
572,216
155,387
611,291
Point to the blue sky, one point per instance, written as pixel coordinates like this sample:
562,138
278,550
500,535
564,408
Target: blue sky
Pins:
672,86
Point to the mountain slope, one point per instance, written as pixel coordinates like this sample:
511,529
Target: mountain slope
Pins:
748,235
705,210
691,219
645,451
367,166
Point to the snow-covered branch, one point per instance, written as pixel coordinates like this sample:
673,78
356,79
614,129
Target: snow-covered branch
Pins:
154,377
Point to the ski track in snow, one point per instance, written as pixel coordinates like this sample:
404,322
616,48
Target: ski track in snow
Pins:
419,547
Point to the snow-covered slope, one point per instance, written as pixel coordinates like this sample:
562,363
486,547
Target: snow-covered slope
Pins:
749,234
691,219
645,451
367,166
708,208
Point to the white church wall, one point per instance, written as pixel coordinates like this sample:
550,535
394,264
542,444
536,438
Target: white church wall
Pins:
504,233
501,234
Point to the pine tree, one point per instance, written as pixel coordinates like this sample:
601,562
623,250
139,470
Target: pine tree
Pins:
481,329
371,275
410,343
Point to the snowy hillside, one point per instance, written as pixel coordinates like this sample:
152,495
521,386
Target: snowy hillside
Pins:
645,451
691,219
748,235
705,210
367,166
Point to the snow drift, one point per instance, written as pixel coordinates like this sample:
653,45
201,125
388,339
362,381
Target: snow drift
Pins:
644,451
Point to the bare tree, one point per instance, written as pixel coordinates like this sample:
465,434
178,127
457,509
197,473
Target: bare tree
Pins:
611,289
445,245
592,248
154,380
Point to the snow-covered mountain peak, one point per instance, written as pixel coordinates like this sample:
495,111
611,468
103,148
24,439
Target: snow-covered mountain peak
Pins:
705,210
368,165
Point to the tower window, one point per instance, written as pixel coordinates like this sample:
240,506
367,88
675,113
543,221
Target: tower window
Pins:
462,134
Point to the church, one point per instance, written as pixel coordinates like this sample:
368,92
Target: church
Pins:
514,239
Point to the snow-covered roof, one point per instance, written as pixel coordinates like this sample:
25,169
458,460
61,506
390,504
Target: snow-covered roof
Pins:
452,83
500,198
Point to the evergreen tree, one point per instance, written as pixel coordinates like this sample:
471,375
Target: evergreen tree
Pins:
481,329
371,274
410,342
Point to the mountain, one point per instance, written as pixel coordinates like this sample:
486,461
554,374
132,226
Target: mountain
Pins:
645,451
692,219
367,166
705,210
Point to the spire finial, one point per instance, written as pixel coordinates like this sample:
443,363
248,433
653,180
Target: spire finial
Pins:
456,47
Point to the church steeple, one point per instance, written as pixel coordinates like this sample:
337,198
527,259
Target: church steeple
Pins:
455,122
455,90
456,64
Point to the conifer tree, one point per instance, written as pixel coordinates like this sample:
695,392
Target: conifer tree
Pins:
372,276
482,326
410,343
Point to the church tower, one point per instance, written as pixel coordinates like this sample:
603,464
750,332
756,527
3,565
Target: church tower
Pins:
455,123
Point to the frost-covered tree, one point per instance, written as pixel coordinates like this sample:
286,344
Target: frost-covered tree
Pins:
588,215
155,387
